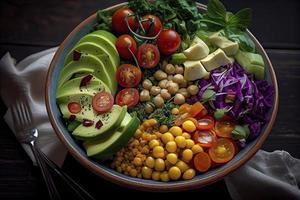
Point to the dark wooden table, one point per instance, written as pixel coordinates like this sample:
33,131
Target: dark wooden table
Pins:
28,26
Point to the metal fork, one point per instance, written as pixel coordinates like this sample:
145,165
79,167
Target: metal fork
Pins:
28,135
22,116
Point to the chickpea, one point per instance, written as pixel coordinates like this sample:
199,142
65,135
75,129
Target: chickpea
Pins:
147,84
159,164
155,90
179,69
173,88
170,69
178,78
158,101
170,78
160,75
165,94
163,83
184,92
133,172
164,64
145,95
148,108
193,89
183,84
179,99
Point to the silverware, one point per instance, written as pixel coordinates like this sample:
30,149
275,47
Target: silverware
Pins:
28,135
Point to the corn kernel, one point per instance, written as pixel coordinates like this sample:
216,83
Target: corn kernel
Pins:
174,173
150,162
156,176
171,147
196,149
158,152
175,111
164,176
159,164
189,174
176,131
163,128
146,172
152,122
182,166
167,137
172,158
189,126
180,141
153,143
133,172
137,161
187,155
189,143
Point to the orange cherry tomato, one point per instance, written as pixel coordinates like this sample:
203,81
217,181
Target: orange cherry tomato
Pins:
206,123
222,150
204,138
202,162
224,127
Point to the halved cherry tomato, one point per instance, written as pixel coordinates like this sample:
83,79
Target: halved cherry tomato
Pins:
224,127
119,23
151,25
202,162
148,56
206,123
222,151
204,138
128,75
123,44
168,41
102,102
196,109
74,107
128,96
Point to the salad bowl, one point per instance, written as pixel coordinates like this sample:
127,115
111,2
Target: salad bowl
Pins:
109,174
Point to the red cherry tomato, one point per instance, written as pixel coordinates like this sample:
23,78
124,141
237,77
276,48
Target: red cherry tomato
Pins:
206,123
128,96
102,102
151,24
148,56
168,41
119,23
123,44
74,107
128,75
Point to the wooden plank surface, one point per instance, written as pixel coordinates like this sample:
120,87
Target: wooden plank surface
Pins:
28,26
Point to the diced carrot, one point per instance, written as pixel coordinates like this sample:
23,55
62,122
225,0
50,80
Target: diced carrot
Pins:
196,109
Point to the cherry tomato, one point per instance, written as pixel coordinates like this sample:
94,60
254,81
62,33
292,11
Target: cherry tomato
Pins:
202,161
206,123
204,138
128,75
102,102
123,44
74,107
151,24
128,96
222,150
168,41
148,56
119,23
224,127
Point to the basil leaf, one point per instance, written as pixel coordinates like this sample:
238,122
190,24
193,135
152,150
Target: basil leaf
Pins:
241,20
216,10
104,19
244,40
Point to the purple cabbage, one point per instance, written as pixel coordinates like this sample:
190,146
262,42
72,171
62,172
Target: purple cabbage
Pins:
252,98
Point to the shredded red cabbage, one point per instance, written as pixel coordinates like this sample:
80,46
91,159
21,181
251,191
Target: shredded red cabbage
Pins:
250,100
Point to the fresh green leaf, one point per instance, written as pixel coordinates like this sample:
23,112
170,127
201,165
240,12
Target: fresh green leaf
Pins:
240,132
244,40
208,95
104,20
216,10
240,21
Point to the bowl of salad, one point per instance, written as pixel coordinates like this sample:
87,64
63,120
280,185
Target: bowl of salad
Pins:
162,96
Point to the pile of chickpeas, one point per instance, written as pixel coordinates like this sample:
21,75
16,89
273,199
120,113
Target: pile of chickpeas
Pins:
159,153
171,83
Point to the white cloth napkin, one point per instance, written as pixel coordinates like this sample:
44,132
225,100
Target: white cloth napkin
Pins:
273,175
25,81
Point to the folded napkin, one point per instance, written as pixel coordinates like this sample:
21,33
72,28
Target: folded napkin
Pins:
25,81
273,175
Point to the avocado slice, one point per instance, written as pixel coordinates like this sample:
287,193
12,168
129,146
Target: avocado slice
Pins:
197,50
216,59
109,36
111,121
229,47
88,61
104,148
72,88
72,125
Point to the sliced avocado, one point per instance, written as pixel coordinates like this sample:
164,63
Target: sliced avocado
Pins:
197,50
109,36
194,70
72,88
111,121
229,47
88,61
72,125
106,147
216,59
178,58
252,63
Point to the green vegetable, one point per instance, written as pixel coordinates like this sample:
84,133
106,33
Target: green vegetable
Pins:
244,40
163,115
240,132
208,95
178,58
104,20
219,113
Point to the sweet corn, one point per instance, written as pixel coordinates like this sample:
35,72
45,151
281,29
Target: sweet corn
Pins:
158,152
172,158
150,162
174,173
189,174
189,143
187,155
196,149
133,172
180,141
137,161
158,134
138,133
168,164
171,147
186,135
175,111
167,137
176,131
156,176
163,128
153,143
152,122
159,164
146,172
182,166
164,176
189,126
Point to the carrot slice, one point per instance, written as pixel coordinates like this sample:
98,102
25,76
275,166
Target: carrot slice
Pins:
202,162
196,108
222,150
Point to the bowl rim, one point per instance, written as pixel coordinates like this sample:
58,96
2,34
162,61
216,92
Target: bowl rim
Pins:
87,163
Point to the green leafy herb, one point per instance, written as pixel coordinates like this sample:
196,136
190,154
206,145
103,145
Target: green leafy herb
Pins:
104,20
240,132
163,115
244,40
